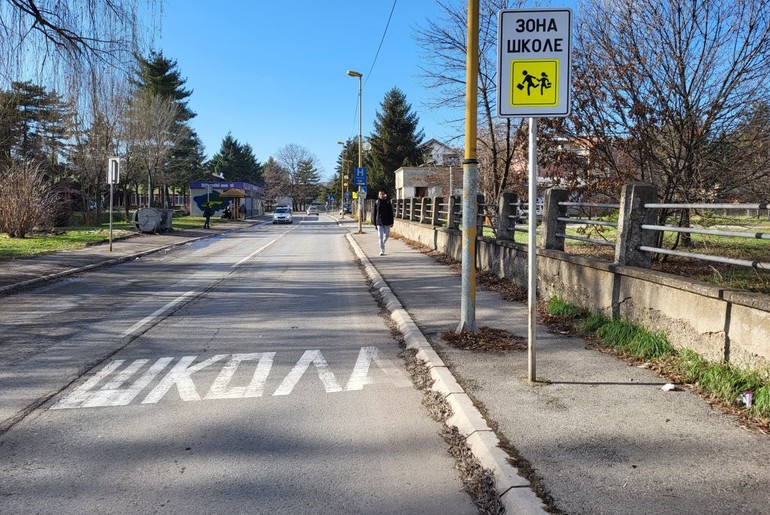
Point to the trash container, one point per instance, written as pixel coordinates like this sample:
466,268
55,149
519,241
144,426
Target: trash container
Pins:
152,219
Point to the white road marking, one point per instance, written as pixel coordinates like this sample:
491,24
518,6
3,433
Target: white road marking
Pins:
157,313
113,392
179,376
324,374
361,377
255,388
239,263
80,395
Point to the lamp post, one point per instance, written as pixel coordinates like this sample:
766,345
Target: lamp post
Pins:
342,182
360,144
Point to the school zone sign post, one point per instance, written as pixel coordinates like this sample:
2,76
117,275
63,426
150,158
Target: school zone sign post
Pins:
533,80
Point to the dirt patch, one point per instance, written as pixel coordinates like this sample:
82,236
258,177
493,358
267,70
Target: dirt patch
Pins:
485,339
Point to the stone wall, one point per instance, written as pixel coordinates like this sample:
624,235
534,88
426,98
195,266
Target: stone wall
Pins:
718,323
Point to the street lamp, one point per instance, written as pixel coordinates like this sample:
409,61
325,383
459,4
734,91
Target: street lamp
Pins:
342,181
360,144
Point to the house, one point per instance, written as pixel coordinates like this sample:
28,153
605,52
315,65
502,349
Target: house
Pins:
439,154
428,181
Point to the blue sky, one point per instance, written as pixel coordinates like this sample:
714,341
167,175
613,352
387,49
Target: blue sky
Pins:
273,72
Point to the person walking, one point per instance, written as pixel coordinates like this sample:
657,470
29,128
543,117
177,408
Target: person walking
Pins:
207,216
383,219
242,211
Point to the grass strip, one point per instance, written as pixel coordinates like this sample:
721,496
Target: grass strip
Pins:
721,381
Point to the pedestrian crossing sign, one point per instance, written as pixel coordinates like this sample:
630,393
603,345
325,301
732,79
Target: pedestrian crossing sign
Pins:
535,82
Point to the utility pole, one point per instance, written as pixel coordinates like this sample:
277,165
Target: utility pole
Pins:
470,175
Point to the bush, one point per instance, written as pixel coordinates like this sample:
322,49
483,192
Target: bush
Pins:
26,201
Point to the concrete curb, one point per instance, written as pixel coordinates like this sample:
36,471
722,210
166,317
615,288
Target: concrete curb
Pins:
515,492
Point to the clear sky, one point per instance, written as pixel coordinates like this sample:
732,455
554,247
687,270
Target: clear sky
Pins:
274,72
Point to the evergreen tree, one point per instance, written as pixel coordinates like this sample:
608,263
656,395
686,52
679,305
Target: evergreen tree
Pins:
33,122
236,162
158,75
395,142
308,182
277,180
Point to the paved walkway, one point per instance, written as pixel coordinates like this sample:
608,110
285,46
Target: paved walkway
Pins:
596,435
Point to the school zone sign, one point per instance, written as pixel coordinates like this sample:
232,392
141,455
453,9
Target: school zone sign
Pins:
118,385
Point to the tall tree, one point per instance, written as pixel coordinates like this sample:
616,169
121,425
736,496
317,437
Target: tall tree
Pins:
277,181
33,123
662,87
236,162
296,160
501,143
160,76
395,141
151,135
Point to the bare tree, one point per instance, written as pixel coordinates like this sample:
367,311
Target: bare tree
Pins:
68,35
151,136
295,160
277,181
501,142
663,88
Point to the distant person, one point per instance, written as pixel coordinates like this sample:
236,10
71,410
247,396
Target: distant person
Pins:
207,216
228,213
383,219
242,211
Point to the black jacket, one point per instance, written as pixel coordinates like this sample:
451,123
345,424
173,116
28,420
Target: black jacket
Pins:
383,212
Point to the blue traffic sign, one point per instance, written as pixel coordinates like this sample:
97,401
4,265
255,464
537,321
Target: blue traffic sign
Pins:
359,177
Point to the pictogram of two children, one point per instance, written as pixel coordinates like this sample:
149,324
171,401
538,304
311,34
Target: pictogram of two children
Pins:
530,81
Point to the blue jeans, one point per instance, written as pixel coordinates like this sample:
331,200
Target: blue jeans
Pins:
383,232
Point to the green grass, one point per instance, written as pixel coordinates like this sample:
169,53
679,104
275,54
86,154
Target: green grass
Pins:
75,237
560,308
721,380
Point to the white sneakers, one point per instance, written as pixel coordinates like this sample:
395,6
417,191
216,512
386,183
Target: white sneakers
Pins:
382,253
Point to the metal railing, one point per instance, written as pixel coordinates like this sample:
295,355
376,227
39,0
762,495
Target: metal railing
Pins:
583,214
587,222
712,232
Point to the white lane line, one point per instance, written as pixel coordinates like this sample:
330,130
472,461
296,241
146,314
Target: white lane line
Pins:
239,263
157,313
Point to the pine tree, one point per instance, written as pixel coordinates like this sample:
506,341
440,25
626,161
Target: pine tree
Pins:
395,142
236,162
158,75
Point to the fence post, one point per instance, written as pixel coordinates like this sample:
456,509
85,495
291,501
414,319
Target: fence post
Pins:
411,209
435,208
504,220
480,215
451,219
632,216
551,225
423,210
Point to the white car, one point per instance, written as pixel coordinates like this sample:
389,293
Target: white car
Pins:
313,209
282,215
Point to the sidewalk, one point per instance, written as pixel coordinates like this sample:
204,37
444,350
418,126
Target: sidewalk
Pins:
21,273
596,435
600,436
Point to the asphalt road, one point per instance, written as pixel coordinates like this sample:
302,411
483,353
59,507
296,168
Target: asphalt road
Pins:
247,373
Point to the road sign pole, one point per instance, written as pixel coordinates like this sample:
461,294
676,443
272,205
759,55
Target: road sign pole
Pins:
532,252
113,177
470,175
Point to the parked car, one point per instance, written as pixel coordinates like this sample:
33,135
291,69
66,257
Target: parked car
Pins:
346,210
313,209
282,215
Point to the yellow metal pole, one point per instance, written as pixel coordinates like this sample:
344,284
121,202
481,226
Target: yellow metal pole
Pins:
470,174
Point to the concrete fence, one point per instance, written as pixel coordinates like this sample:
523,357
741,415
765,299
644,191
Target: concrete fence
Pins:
721,324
